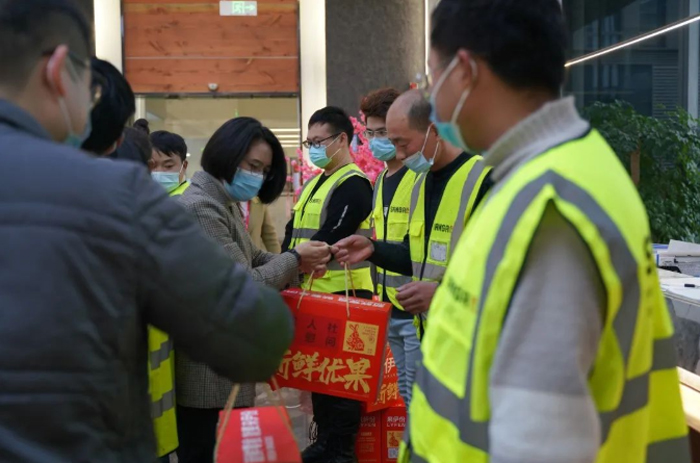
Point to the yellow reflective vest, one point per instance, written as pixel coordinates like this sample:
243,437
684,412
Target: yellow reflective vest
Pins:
161,376
391,226
633,381
429,258
309,215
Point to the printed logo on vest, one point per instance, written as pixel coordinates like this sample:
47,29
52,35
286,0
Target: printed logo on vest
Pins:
441,227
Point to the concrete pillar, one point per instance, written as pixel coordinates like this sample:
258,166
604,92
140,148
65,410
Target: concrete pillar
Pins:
312,52
108,32
371,44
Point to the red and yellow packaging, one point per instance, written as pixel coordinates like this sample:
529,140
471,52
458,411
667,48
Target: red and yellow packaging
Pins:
393,426
261,435
389,389
369,447
339,345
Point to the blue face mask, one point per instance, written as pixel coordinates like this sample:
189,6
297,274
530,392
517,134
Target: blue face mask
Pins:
450,131
319,156
245,185
417,163
168,180
382,149
73,139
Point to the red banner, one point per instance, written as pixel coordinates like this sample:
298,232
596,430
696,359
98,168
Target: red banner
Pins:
258,435
339,345
389,395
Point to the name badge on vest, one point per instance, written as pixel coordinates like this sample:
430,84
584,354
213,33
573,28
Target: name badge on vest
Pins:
438,252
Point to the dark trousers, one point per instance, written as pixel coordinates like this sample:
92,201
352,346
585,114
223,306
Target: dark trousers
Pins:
196,430
336,416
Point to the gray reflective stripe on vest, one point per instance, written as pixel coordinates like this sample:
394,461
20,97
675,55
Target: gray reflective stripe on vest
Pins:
418,459
430,271
396,281
377,189
473,177
304,233
635,394
415,194
165,403
334,265
161,355
669,451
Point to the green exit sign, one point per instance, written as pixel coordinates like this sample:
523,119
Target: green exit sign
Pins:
238,8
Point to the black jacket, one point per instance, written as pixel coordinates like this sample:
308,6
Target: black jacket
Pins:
91,251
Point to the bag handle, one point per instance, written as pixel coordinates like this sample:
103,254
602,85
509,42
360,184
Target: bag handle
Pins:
273,396
227,415
348,274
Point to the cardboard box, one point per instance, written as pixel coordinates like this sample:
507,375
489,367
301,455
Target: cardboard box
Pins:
369,440
393,426
333,353
389,395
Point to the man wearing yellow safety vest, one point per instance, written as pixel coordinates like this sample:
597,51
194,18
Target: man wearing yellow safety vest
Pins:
450,183
333,205
169,168
549,338
392,200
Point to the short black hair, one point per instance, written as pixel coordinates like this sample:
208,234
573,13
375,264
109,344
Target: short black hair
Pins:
117,104
418,111
523,42
170,144
336,117
29,29
229,146
135,147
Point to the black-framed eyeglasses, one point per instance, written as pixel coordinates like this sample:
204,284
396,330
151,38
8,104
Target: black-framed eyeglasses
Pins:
317,144
381,133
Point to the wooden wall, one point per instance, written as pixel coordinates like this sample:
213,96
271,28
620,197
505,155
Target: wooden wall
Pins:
181,46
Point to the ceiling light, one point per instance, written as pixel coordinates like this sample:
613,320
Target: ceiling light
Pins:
630,42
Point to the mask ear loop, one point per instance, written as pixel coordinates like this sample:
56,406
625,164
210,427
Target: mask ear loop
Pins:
465,93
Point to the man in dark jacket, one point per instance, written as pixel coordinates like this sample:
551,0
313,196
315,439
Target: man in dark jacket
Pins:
91,252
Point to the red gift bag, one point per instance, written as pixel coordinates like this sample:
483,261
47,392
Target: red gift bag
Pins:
255,435
389,395
339,345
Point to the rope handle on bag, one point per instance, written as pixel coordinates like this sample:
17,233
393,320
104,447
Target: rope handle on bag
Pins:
275,399
227,415
348,274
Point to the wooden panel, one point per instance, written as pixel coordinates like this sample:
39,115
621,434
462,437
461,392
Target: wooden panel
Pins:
232,75
183,45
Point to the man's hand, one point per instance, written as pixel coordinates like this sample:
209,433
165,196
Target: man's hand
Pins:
353,250
416,296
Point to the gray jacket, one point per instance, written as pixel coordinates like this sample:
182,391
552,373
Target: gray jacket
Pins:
220,218
91,251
